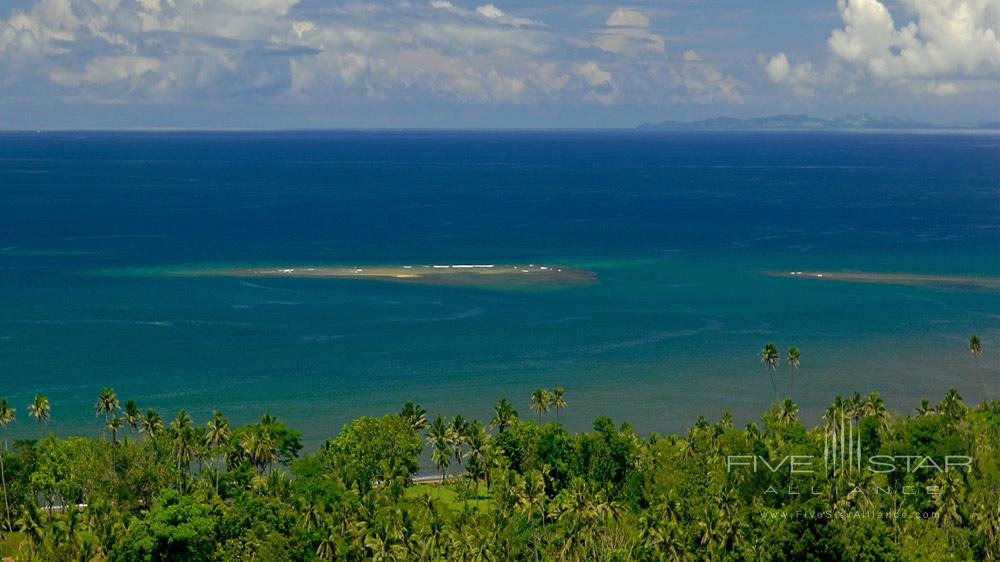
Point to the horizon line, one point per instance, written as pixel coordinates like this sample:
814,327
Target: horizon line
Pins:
637,129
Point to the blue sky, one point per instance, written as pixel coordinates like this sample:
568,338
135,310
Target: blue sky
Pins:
455,63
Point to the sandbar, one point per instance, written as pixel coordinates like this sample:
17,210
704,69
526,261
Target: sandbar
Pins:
485,275
911,279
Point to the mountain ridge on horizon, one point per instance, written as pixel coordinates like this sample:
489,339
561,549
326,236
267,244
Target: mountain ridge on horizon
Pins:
804,122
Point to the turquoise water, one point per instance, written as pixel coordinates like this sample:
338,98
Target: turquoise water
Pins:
678,228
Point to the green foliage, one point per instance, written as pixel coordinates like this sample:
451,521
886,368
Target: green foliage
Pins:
178,528
518,491
373,450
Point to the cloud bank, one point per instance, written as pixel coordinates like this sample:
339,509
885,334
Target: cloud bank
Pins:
945,47
251,50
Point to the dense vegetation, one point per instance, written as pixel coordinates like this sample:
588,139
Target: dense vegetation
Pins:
863,485
527,489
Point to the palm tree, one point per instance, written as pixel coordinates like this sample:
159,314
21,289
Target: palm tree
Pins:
478,442
976,349
540,401
833,429
30,524
874,407
182,429
40,409
456,437
853,407
532,495
505,414
949,498
216,437
986,517
788,412
107,403
415,416
952,405
114,424
182,422
558,402
925,409
259,446
793,361
6,418
441,456
152,424
769,357
438,437
132,415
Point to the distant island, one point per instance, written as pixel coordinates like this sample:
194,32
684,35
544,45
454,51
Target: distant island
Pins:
803,122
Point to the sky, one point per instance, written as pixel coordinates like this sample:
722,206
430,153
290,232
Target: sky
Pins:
273,64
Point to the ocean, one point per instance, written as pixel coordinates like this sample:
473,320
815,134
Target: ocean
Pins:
678,228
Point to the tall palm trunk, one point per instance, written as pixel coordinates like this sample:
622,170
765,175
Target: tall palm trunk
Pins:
3,478
218,472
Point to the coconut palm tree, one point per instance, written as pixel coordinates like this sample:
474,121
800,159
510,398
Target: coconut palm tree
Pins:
788,412
439,439
925,409
415,416
833,428
794,357
557,400
114,424
531,497
874,407
441,457
853,407
183,441
950,497
478,442
259,446
7,417
31,526
540,401
152,424
505,414
132,415
217,437
976,349
952,406
457,437
107,403
769,357
40,409
986,518
182,422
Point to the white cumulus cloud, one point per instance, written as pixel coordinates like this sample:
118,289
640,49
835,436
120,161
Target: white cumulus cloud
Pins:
800,76
601,83
628,17
627,33
949,45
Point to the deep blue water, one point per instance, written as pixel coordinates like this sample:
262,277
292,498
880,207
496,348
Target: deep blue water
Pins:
678,228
